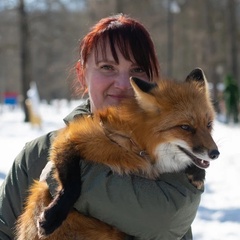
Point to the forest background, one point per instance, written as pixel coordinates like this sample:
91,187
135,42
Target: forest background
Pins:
39,39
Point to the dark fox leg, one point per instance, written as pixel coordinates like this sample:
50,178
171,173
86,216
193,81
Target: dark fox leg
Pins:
57,211
196,176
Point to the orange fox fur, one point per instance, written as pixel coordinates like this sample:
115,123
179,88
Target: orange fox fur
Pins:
165,128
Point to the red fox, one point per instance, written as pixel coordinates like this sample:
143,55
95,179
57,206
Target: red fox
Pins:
166,127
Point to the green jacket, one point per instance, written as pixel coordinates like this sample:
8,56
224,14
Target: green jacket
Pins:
149,210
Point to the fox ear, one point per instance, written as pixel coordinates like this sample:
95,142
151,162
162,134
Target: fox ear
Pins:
142,90
198,76
141,85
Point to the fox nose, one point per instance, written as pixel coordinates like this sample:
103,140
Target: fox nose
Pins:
213,154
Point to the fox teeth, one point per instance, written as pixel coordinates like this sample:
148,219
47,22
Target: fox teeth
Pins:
198,162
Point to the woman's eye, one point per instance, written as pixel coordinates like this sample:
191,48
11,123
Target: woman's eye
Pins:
138,70
107,67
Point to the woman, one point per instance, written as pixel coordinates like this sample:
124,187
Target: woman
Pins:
116,48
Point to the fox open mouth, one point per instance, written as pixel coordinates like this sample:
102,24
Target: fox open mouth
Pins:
197,161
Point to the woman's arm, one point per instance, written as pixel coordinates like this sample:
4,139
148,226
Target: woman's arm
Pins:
162,209
146,209
27,166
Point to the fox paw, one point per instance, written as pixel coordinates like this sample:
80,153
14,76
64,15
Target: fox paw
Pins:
48,223
196,183
196,176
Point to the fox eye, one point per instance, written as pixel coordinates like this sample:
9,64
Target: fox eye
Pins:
186,127
210,124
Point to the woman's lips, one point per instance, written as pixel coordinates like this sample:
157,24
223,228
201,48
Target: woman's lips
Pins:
118,96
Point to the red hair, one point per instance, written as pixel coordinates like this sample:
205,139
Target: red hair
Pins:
125,33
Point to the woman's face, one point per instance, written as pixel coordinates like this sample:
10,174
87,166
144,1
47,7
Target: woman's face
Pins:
108,82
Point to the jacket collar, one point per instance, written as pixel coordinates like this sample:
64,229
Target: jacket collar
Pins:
83,108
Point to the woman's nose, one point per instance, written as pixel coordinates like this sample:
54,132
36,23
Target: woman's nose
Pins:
123,81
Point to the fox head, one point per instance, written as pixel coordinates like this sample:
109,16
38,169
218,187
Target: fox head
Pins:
178,119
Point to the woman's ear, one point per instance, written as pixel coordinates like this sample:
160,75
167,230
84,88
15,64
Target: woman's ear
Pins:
81,81
81,76
78,68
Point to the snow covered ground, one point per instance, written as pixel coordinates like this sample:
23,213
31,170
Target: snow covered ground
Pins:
218,217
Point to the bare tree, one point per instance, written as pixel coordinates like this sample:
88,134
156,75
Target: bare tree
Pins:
232,26
24,54
211,48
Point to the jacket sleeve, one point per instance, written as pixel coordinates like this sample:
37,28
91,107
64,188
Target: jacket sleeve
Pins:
27,166
162,209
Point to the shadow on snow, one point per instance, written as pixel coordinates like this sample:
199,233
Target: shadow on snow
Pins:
222,215
2,175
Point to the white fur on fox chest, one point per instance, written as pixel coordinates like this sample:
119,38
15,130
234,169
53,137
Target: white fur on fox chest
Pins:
169,158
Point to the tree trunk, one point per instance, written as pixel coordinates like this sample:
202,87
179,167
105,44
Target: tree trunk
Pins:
24,55
232,23
170,37
213,77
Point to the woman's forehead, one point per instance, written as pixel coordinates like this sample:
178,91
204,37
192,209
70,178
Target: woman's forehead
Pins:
111,52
